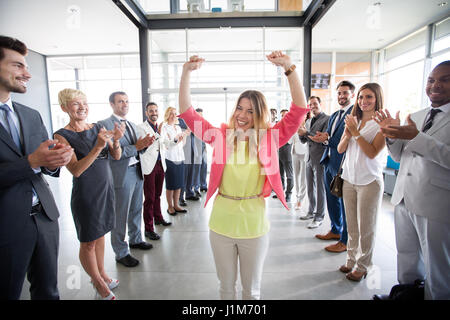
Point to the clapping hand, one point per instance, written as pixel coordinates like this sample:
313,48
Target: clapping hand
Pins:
103,137
144,142
319,137
384,119
351,124
302,131
52,158
406,132
119,130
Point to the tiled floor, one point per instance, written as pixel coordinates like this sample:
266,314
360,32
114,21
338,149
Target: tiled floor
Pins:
181,266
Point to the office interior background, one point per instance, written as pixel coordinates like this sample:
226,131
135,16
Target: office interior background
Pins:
139,46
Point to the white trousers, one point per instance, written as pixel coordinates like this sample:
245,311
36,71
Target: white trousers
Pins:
299,163
250,253
423,252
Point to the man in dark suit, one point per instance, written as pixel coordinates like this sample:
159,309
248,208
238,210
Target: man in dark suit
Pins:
29,232
314,170
331,159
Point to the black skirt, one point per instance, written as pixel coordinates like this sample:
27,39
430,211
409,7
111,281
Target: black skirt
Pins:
174,175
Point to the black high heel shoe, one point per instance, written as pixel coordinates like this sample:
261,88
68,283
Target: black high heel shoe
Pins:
172,213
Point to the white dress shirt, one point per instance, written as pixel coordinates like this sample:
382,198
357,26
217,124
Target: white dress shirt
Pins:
299,147
358,168
174,150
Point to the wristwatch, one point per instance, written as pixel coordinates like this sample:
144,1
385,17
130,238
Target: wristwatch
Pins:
289,71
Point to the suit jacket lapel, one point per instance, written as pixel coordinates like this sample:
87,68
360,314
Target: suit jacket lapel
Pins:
436,126
6,137
25,135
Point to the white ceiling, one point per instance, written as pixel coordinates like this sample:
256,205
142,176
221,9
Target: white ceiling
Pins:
357,24
46,26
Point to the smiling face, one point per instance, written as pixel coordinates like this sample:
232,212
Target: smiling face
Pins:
243,115
77,108
14,73
120,105
344,96
438,86
172,116
152,113
367,100
314,104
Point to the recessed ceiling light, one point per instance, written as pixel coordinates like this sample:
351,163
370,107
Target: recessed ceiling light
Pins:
442,4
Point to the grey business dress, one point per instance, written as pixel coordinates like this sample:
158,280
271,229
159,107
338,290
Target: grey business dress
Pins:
92,200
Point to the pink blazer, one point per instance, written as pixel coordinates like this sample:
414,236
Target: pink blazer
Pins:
272,140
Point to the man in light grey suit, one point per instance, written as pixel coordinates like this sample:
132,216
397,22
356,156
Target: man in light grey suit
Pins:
128,183
422,191
29,231
314,170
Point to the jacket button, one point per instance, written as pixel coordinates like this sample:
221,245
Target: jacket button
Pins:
409,174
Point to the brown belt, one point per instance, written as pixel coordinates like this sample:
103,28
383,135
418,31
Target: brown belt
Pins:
240,198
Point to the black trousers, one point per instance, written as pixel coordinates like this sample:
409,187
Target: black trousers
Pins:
34,254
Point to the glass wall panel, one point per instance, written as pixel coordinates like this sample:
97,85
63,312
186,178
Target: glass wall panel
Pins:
226,40
440,58
442,35
403,89
97,77
168,46
235,60
350,63
154,7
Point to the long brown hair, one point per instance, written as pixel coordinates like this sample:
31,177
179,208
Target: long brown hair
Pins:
261,115
377,90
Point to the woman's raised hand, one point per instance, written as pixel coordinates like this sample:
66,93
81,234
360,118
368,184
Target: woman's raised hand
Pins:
278,58
194,63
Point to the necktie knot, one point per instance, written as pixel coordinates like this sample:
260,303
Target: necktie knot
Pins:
433,112
4,107
429,122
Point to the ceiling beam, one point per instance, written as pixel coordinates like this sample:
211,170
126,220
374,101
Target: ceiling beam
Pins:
316,10
235,22
133,12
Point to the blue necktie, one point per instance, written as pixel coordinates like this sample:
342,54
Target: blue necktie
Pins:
16,137
12,126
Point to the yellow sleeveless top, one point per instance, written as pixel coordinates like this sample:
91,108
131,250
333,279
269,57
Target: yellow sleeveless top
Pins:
242,177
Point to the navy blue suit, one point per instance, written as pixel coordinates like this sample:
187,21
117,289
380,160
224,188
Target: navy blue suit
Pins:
331,160
28,244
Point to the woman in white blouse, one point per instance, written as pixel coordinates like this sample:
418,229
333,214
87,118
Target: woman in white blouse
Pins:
172,138
362,173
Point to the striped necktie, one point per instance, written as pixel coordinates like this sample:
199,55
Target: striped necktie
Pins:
12,126
429,122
